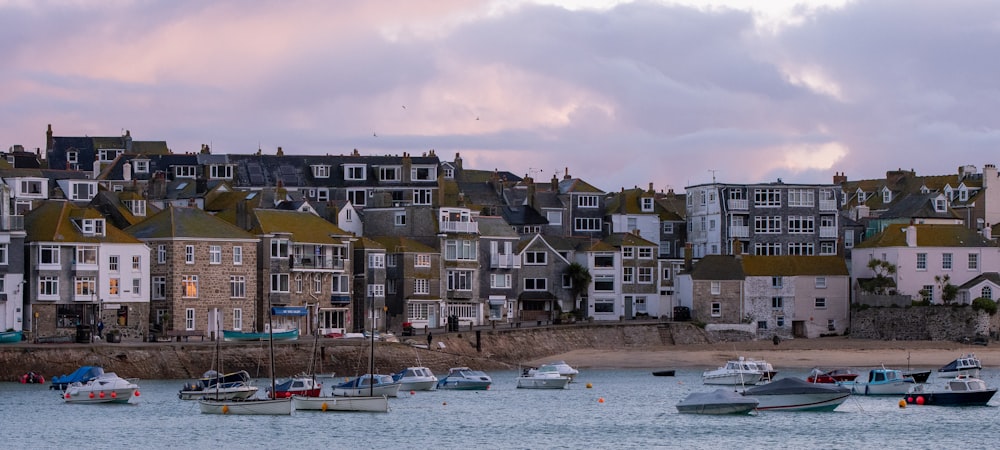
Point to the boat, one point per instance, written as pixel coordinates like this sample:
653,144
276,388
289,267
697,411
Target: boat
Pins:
963,390
301,385
664,373
285,335
881,381
796,394
11,337
967,364
368,385
717,402
564,369
465,379
105,388
251,405
919,376
766,369
32,378
735,372
416,379
81,375
544,377
234,385
831,376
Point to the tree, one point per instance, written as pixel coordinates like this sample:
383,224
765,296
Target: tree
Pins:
579,278
884,277
949,292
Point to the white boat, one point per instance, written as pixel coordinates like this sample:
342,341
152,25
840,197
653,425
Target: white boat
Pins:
544,377
465,379
967,364
416,379
368,385
236,385
734,373
331,404
564,369
717,402
106,388
766,369
880,381
796,394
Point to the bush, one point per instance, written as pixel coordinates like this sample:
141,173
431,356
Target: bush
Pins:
984,304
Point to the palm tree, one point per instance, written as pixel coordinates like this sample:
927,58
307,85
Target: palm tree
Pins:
579,277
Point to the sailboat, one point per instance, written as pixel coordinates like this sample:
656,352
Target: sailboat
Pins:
250,406
369,403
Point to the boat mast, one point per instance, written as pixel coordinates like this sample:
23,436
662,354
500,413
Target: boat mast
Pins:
371,358
270,341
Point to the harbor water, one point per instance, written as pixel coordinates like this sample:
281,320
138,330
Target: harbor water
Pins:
627,408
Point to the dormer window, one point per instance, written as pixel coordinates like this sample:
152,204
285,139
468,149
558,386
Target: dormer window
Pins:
963,194
647,204
140,165
138,207
449,173
861,196
185,171
82,191
71,157
109,154
423,173
321,170
322,195
389,173
925,190
92,227
948,191
843,198
354,172
31,188
940,204
886,195
220,171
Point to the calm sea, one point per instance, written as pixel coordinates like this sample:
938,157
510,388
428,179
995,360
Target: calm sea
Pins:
623,409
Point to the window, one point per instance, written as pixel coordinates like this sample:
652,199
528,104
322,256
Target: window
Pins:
927,293
631,224
604,260
554,217
986,292
417,311
421,286
189,319
422,196
587,224
48,254
185,172
500,280
422,260
777,282
946,261
189,254
215,254
376,261
423,173
647,204
716,288
279,282
357,197
716,309
189,286
161,254
159,289
391,260
767,224
218,171
761,324
645,275
354,172
279,248
664,248
321,171
587,201
136,263
459,280
820,283
827,248
389,173
820,303
777,302
628,275
604,305
973,261
317,285
237,318
400,218
801,248
831,325
141,165
921,261
460,250
767,248
604,283
628,252
535,258
668,228
237,255
640,304
767,198
801,197
298,283
85,286
48,286
780,321
88,255
535,284
645,252
801,224
567,282
340,284
666,274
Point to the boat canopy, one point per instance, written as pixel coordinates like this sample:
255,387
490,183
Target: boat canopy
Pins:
791,386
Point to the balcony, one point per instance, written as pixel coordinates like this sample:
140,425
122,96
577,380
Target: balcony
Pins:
738,204
739,231
504,261
448,226
12,223
300,262
827,205
828,232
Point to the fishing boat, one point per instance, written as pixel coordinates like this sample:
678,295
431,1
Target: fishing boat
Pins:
283,335
105,388
235,385
717,402
881,381
416,379
963,390
796,394
11,337
368,385
303,385
967,364
831,376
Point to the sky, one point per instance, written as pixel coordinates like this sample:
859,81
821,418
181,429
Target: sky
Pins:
617,93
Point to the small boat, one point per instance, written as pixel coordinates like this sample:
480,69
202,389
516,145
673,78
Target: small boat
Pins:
544,377
32,378
466,379
564,369
919,376
967,364
831,376
717,402
664,373
416,379
796,394
766,369
235,385
81,375
963,390
286,335
11,337
301,385
332,404
735,372
106,388
368,385
881,381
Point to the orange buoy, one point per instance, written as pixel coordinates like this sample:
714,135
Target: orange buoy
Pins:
600,400
225,409
323,407
589,385
902,403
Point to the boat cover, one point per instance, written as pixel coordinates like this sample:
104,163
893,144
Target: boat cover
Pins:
716,397
81,375
791,386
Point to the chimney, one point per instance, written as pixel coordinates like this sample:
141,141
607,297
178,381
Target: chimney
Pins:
530,183
281,152
988,232
687,257
839,178
555,184
651,188
911,235
458,161
566,175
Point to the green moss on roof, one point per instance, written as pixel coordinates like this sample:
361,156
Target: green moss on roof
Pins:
181,222
53,221
793,265
398,244
928,236
304,227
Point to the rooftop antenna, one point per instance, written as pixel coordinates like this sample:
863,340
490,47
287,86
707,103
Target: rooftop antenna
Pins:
713,174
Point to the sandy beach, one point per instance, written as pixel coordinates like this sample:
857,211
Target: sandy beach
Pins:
798,353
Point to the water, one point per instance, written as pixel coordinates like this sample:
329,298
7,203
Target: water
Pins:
637,412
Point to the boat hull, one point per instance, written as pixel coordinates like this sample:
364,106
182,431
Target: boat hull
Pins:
333,404
893,388
542,383
975,398
464,385
387,390
259,407
231,335
84,396
732,379
422,385
10,337
719,402
227,393
801,402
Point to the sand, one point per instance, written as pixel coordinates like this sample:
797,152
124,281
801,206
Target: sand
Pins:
832,352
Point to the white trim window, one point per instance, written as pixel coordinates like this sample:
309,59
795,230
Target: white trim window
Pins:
237,286
237,255
215,254
188,254
279,282
500,281
421,286
355,172
587,201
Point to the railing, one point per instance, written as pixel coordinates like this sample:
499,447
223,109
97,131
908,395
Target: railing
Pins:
739,231
504,261
448,226
827,205
827,232
742,205
317,262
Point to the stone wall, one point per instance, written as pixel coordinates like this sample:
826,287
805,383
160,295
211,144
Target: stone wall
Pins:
938,322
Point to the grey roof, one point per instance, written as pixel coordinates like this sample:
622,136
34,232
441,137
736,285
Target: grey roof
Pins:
495,227
718,267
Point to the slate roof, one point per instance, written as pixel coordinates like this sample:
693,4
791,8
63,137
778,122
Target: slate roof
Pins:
718,268
399,244
992,277
304,227
793,265
522,215
619,240
495,227
573,185
928,236
917,206
175,222
52,221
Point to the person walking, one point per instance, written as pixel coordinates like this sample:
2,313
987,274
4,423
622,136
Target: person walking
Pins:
430,337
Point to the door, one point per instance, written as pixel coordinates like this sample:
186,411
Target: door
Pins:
432,316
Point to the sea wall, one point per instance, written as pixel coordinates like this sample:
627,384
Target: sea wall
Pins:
935,323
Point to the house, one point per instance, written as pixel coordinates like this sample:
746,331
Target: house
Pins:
501,261
986,285
713,289
413,282
368,305
800,296
13,312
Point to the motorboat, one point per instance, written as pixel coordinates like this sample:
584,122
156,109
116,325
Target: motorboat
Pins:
546,376
796,394
32,378
735,372
466,379
881,381
10,337
278,335
301,385
963,390
234,385
368,385
416,379
718,402
967,364
766,369
81,375
919,376
564,369
106,388
334,404
663,373
831,376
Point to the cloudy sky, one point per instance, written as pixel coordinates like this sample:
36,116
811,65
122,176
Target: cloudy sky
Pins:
621,93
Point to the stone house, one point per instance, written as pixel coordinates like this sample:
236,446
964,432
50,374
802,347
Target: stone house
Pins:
413,282
801,296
